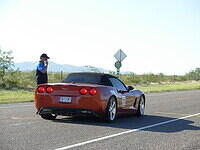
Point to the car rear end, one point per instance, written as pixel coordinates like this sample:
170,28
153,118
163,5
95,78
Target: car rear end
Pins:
70,99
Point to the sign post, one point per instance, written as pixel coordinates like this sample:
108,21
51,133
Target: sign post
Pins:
120,56
118,65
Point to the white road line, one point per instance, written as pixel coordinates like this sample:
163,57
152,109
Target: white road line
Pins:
166,113
16,106
125,132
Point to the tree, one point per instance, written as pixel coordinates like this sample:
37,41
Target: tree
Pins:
194,74
6,63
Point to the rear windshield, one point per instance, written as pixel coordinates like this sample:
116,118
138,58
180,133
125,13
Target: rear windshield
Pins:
83,78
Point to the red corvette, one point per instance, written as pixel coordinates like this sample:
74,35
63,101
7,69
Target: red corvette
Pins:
96,94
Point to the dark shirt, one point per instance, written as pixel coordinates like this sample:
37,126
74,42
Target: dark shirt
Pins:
41,77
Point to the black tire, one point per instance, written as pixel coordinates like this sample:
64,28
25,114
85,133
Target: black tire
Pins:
141,106
111,110
48,116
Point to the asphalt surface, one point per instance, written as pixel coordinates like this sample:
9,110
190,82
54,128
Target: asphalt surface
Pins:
162,128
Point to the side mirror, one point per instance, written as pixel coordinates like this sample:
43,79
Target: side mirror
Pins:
130,88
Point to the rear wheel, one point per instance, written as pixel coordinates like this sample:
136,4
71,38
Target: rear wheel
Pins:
111,110
48,116
141,107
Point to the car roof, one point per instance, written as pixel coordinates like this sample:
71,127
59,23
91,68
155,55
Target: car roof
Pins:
94,73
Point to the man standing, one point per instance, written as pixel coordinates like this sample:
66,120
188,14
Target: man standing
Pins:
41,72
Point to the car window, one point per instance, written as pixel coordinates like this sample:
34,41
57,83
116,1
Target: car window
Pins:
105,81
118,84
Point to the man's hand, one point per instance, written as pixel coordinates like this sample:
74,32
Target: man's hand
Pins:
47,63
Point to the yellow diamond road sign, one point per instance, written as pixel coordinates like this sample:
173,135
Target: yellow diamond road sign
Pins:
120,55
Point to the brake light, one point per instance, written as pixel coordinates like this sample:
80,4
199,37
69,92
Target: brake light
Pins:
83,91
93,91
41,89
49,90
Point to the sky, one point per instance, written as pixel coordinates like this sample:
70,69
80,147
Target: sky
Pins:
156,35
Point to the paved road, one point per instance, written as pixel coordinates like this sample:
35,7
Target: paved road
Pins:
172,121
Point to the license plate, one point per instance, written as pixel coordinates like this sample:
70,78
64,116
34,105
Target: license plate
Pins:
65,99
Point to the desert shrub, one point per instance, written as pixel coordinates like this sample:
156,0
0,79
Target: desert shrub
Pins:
27,80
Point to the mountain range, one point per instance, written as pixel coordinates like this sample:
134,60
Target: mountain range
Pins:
54,67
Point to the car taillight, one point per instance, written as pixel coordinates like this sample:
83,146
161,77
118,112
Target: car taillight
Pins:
41,89
83,91
49,90
93,91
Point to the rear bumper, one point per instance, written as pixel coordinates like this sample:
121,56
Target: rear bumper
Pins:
67,111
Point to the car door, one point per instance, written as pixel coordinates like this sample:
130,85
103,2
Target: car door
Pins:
127,100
